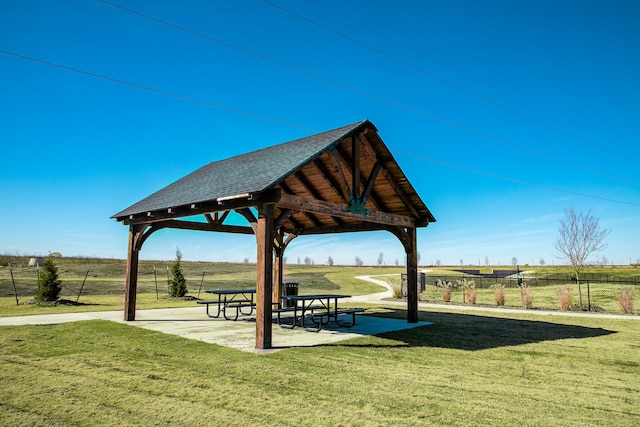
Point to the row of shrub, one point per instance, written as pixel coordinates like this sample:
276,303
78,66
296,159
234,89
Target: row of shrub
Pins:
565,297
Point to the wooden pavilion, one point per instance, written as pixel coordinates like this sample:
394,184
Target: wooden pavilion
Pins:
343,180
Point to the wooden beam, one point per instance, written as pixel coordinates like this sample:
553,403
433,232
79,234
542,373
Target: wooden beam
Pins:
316,195
278,265
131,272
311,217
400,192
264,277
321,207
392,181
377,201
219,219
285,214
412,276
370,182
202,226
249,216
351,227
200,208
355,168
329,178
344,186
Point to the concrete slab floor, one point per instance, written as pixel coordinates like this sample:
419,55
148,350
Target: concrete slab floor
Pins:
193,323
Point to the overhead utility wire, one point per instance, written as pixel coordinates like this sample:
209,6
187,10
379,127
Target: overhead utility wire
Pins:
448,82
519,181
398,41
366,93
150,89
257,116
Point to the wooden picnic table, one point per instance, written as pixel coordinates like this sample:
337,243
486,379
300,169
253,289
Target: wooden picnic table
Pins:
240,300
320,308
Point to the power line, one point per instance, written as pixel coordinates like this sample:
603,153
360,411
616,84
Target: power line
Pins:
447,82
257,116
519,181
400,42
366,93
159,91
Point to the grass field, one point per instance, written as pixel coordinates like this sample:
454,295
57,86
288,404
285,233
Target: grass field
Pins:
464,369
103,286
461,370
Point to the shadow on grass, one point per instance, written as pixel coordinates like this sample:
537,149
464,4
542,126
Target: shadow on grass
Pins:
472,332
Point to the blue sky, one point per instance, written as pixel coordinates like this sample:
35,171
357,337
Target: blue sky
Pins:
501,113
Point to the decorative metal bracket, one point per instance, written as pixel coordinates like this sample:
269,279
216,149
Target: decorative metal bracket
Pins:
357,204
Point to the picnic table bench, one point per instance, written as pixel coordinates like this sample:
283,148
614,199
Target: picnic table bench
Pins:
321,309
238,300
319,317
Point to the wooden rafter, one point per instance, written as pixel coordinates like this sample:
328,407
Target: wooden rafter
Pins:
284,216
377,201
400,192
392,181
310,216
329,178
311,189
217,217
368,188
355,167
342,179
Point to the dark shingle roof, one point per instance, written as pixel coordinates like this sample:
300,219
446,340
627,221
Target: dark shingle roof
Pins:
247,173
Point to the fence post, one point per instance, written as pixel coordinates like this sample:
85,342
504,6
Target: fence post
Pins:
15,292
155,279
83,282
588,296
201,281
168,282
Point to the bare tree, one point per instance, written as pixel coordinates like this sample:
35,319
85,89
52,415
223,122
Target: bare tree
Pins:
438,263
579,236
486,260
329,261
380,259
359,262
542,262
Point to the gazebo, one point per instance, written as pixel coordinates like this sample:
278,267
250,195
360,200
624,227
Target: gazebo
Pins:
343,180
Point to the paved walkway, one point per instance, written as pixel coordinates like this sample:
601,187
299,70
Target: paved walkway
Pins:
193,323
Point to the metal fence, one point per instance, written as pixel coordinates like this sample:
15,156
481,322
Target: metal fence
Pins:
599,292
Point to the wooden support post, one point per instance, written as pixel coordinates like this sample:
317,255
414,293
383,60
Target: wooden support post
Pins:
131,279
264,285
278,273
412,276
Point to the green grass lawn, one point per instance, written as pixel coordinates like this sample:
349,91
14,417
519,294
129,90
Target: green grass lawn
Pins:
464,369
461,370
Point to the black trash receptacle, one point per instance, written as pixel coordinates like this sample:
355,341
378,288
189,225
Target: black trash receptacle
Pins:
289,288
